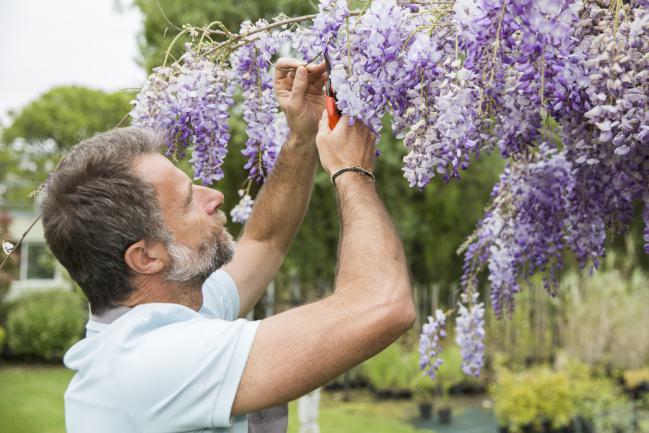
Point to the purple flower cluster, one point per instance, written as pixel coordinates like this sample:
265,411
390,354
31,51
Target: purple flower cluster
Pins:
429,347
559,87
189,103
266,125
241,212
367,69
470,333
324,31
558,75
447,135
526,230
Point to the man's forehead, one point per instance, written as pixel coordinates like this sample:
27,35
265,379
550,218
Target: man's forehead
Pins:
157,170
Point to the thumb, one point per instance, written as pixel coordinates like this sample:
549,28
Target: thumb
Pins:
300,83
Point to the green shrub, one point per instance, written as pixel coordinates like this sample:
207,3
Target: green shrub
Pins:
599,400
383,370
540,394
2,338
450,372
531,397
422,386
636,377
46,324
606,315
395,368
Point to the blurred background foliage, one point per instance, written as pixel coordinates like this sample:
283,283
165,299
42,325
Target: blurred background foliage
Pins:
42,132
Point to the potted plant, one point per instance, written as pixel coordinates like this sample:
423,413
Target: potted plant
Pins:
423,389
448,374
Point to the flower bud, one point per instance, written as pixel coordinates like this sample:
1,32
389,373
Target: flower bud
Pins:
7,247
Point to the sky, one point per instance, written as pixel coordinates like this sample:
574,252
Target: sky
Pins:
47,43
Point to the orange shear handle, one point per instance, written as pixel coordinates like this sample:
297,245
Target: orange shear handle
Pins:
332,112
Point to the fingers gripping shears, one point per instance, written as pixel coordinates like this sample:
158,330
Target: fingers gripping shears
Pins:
333,112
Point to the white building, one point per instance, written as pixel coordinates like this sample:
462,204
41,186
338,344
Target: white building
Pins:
38,269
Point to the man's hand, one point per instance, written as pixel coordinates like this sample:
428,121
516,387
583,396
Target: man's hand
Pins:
300,92
345,145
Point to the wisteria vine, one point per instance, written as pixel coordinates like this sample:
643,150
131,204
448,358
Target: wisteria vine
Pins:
559,88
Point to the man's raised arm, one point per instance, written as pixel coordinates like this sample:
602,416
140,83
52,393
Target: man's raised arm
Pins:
281,204
301,349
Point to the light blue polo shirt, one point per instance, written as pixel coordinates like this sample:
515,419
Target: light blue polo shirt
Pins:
162,367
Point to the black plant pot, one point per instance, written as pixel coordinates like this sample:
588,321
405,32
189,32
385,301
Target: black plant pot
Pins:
529,428
444,415
383,394
546,426
425,410
585,426
570,428
402,394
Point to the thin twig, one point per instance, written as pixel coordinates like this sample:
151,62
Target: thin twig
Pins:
20,240
165,17
262,29
121,120
266,28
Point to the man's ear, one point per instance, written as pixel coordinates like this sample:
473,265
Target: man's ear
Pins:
145,258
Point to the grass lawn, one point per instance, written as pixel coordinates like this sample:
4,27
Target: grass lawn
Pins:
361,415
31,401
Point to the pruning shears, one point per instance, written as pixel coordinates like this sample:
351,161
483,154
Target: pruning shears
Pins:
332,109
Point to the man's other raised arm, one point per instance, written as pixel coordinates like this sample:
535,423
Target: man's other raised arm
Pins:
301,349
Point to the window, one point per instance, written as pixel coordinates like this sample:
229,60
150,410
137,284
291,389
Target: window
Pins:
39,262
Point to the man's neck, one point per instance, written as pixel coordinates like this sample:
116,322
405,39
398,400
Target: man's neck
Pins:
155,290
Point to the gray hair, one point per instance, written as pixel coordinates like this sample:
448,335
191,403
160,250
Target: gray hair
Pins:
95,208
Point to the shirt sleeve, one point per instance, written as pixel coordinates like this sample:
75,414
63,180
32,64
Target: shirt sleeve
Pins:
220,297
184,376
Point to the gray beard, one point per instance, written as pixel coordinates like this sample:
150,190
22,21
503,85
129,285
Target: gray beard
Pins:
190,268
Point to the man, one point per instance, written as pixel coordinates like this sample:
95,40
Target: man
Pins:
167,349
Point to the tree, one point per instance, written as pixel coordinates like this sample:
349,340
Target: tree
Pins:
163,19
40,134
67,115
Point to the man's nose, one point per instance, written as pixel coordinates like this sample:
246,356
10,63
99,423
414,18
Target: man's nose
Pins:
213,199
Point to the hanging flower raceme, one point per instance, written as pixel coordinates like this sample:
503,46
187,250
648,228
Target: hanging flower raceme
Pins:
266,129
242,211
189,103
470,333
367,69
429,344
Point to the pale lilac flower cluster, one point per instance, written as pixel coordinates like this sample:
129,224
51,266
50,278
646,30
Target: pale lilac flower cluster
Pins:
189,103
241,212
446,135
418,81
368,66
322,35
429,344
266,130
470,333
559,87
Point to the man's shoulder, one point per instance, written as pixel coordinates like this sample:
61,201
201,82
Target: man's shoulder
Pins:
141,323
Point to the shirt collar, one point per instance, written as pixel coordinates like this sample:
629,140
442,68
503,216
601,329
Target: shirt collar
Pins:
110,315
